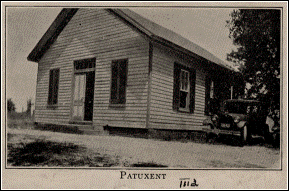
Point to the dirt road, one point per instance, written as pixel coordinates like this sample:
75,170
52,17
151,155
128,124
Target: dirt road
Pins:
168,153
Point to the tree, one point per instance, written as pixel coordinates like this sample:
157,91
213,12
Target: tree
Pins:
29,106
10,105
256,33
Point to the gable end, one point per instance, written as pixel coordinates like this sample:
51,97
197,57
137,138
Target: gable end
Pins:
51,34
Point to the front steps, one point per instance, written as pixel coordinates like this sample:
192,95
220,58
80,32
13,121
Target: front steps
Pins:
90,130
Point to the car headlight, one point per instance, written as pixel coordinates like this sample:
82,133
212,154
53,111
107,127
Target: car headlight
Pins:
237,119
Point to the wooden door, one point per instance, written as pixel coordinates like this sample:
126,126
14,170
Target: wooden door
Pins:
79,97
89,95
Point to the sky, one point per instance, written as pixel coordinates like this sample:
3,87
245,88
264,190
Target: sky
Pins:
25,27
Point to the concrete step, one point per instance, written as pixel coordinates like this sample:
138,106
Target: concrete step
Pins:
89,129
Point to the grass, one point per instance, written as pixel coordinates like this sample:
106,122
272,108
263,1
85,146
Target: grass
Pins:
41,152
26,150
30,149
19,120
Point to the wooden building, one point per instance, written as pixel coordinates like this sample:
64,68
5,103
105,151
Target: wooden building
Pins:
112,67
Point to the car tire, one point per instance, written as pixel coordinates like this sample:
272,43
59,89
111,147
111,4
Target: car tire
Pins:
244,135
266,134
276,140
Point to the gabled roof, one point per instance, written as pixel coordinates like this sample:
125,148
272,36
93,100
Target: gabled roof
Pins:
51,34
143,25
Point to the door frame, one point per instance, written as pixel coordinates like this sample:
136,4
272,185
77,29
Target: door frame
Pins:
74,73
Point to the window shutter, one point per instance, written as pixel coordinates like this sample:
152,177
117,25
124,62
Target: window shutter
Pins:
53,86
56,82
50,91
176,91
114,84
207,94
122,81
192,89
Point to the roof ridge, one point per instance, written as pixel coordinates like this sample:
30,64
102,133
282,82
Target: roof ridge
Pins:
134,19
174,37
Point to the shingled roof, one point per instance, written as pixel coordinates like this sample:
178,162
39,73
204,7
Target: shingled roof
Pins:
143,25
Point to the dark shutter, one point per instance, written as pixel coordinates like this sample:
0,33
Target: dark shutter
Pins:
53,86
50,91
114,83
56,82
176,92
122,81
192,89
207,94
118,82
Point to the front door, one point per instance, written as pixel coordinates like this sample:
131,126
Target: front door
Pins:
79,97
83,96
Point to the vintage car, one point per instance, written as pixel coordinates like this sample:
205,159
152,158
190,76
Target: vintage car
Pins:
243,118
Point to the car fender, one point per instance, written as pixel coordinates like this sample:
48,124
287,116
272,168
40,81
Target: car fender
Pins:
207,122
241,124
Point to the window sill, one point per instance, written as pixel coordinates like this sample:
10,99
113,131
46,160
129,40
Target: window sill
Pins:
115,105
183,110
55,106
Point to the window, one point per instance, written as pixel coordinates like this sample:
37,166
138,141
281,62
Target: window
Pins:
212,89
118,82
212,99
184,88
84,64
209,99
53,86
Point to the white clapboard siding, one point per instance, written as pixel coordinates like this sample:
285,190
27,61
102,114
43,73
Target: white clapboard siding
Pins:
162,115
96,33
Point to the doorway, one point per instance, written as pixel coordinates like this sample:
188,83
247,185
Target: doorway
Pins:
83,96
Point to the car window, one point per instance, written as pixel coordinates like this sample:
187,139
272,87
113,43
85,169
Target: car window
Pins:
241,107
252,109
236,107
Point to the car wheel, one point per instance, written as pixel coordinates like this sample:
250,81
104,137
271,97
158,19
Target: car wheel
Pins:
266,134
276,140
244,135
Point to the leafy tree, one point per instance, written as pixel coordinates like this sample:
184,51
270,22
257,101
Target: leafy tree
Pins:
10,105
256,33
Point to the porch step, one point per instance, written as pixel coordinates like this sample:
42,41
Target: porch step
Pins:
89,130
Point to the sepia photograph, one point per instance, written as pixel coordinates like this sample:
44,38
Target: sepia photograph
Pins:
146,92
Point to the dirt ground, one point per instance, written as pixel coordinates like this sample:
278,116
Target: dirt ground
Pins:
118,151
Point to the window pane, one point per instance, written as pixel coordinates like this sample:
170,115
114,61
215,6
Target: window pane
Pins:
183,99
212,90
184,81
84,64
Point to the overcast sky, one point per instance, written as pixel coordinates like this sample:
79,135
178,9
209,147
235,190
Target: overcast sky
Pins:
25,26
